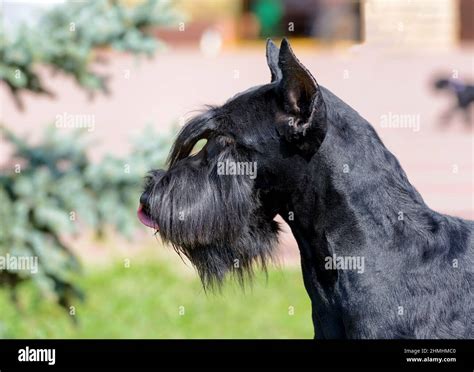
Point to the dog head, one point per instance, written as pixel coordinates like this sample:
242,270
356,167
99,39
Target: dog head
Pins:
217,206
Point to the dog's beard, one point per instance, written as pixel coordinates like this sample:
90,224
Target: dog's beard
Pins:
214,220
253,247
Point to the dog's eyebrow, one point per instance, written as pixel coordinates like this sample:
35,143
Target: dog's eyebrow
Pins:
199,127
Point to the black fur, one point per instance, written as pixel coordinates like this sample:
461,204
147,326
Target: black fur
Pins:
216,221
323,168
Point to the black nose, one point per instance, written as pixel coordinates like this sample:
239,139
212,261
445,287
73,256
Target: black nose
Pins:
144,198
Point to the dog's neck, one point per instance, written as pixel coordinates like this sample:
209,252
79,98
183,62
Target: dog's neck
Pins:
340,210
352,187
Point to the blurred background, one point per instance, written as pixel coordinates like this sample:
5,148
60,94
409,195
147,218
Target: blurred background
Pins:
92,94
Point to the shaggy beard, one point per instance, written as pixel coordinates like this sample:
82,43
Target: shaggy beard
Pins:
253,248
215,221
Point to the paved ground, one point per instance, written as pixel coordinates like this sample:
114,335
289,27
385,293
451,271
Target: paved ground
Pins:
380,86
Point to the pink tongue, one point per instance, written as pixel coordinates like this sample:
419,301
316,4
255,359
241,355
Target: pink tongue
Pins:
144,219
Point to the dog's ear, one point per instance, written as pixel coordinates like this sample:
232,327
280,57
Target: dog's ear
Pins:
272,60
301,97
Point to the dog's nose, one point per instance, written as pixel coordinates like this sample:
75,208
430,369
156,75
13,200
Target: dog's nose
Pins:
144,198
143,212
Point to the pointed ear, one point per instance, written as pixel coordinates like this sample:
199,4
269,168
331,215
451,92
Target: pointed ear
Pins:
301,96
272,60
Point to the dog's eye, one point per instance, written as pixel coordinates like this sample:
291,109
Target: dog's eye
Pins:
198,146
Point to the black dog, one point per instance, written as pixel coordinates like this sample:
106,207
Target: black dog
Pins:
377,261
464,99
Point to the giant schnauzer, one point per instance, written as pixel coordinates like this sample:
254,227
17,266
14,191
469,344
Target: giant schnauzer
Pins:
377,262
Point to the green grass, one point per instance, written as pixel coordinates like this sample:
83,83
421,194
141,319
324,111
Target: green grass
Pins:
144,301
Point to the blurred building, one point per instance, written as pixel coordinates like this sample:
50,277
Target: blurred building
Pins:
393,23
418,23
